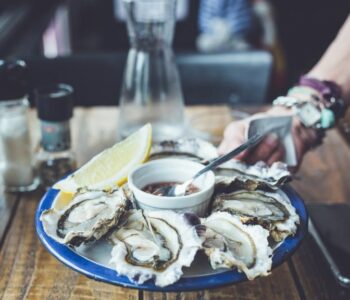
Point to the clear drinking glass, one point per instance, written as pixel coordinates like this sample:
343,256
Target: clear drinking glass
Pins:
151,90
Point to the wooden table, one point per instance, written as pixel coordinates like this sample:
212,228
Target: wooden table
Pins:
27,270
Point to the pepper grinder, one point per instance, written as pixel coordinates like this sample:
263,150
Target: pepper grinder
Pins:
55,158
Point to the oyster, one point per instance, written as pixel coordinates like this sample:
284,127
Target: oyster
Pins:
155,245
87,218
234,172
188,148
231,244
239,174
270,210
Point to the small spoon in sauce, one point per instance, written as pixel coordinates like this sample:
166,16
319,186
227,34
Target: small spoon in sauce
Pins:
175,190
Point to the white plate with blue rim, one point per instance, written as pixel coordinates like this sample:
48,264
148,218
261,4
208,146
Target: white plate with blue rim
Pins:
93,261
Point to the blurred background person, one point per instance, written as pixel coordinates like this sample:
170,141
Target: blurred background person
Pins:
224,25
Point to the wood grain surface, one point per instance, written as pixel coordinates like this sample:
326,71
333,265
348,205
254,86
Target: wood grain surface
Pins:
279,285
28,271
324,175
8,203
313,276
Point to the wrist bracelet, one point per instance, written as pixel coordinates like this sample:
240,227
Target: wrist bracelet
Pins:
317,103
326,88
303,92
310,113
330,94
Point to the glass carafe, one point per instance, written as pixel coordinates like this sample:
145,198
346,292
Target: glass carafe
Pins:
151,91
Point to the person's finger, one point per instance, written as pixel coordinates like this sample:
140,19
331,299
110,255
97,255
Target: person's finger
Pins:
241,155
277,155
305,138
226,147
299,143
233,137
308,136
311,136
264,150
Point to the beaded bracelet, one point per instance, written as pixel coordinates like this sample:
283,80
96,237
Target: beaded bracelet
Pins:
307,112
330,94
317,103
303,92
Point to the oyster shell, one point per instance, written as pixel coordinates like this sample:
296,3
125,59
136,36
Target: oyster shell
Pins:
231,244
270,210
155,245
187,148
87,218
259,175
235,173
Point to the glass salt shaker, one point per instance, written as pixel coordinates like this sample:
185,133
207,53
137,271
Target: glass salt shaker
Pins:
151,90
16,164
55,158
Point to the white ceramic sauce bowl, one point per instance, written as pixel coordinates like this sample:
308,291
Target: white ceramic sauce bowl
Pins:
172,170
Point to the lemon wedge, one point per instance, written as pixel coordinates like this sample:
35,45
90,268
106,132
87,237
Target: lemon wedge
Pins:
112,166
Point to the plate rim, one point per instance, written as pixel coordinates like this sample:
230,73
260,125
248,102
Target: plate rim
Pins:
98,272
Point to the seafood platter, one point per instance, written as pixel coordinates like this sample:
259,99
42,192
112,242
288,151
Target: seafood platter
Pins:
250,223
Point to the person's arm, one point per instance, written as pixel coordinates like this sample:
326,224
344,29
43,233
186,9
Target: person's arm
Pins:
335,63
334,66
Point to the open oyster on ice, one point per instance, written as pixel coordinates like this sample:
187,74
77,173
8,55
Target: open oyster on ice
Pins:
87,218
231,244
155,245
268,209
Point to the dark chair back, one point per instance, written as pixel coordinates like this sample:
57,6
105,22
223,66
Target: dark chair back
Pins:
206,79
96,78
220,78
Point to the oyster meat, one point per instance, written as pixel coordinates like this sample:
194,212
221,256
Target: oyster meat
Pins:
155,245
88,217
187,148
269,209
231,244
235,173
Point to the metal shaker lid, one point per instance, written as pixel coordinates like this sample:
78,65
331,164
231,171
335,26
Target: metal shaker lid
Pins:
55,102
13,79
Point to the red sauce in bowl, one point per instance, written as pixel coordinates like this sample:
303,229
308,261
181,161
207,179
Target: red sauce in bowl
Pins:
153,188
